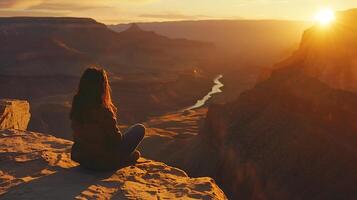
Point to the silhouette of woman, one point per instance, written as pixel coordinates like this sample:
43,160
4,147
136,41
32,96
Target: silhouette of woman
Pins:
98,143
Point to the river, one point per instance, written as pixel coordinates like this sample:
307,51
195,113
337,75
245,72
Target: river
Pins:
216,88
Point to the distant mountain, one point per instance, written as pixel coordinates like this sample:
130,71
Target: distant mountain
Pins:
243,47
245,40
37,46
41,60
40,46
293,135
329,53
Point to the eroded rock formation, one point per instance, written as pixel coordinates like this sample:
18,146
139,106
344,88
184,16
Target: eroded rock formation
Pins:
14,114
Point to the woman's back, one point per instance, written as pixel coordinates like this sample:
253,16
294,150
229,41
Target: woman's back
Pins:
98,138
98,144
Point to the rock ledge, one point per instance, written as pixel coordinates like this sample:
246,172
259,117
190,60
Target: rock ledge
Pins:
38,166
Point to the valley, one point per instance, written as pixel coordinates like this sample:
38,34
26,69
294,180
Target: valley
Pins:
290,136
267,109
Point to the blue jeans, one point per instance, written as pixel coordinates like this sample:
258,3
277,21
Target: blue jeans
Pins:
131,139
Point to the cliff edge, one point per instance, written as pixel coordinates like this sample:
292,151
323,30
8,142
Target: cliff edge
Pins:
38,166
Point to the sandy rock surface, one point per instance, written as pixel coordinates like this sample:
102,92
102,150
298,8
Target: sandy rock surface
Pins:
38,166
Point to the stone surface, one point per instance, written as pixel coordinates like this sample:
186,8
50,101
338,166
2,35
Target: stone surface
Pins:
38,166
14,114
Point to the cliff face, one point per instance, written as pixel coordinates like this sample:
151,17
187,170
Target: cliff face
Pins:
292,136
329,53
14,114
38,166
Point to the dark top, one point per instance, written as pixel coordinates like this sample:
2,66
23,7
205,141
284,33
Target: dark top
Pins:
97,142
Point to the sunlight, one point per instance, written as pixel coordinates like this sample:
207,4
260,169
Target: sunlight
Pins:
325,16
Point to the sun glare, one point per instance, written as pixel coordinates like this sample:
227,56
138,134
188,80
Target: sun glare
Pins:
325,16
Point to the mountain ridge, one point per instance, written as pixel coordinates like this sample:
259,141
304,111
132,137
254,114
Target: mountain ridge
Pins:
50,41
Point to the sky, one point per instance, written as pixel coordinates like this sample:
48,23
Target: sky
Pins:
127,11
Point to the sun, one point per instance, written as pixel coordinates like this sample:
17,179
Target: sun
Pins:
325,16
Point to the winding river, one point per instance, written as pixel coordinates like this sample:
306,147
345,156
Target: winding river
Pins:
216,88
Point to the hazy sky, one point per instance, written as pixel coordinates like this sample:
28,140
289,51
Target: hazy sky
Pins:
121,11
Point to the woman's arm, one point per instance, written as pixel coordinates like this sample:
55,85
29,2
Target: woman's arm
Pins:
111,129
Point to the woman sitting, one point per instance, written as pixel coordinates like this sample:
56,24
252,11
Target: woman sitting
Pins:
98,143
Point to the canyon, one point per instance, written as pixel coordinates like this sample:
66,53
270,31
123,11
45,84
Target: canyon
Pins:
43,58
292,136
274,131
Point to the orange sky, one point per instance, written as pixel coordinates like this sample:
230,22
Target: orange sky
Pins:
123,11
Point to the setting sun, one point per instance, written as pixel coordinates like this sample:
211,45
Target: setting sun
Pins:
325,16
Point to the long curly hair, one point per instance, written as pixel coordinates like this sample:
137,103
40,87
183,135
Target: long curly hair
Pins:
93,92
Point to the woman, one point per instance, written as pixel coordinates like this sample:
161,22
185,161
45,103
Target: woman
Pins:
98,143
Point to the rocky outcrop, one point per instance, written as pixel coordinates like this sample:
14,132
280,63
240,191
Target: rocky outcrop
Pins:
14,114
38,166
